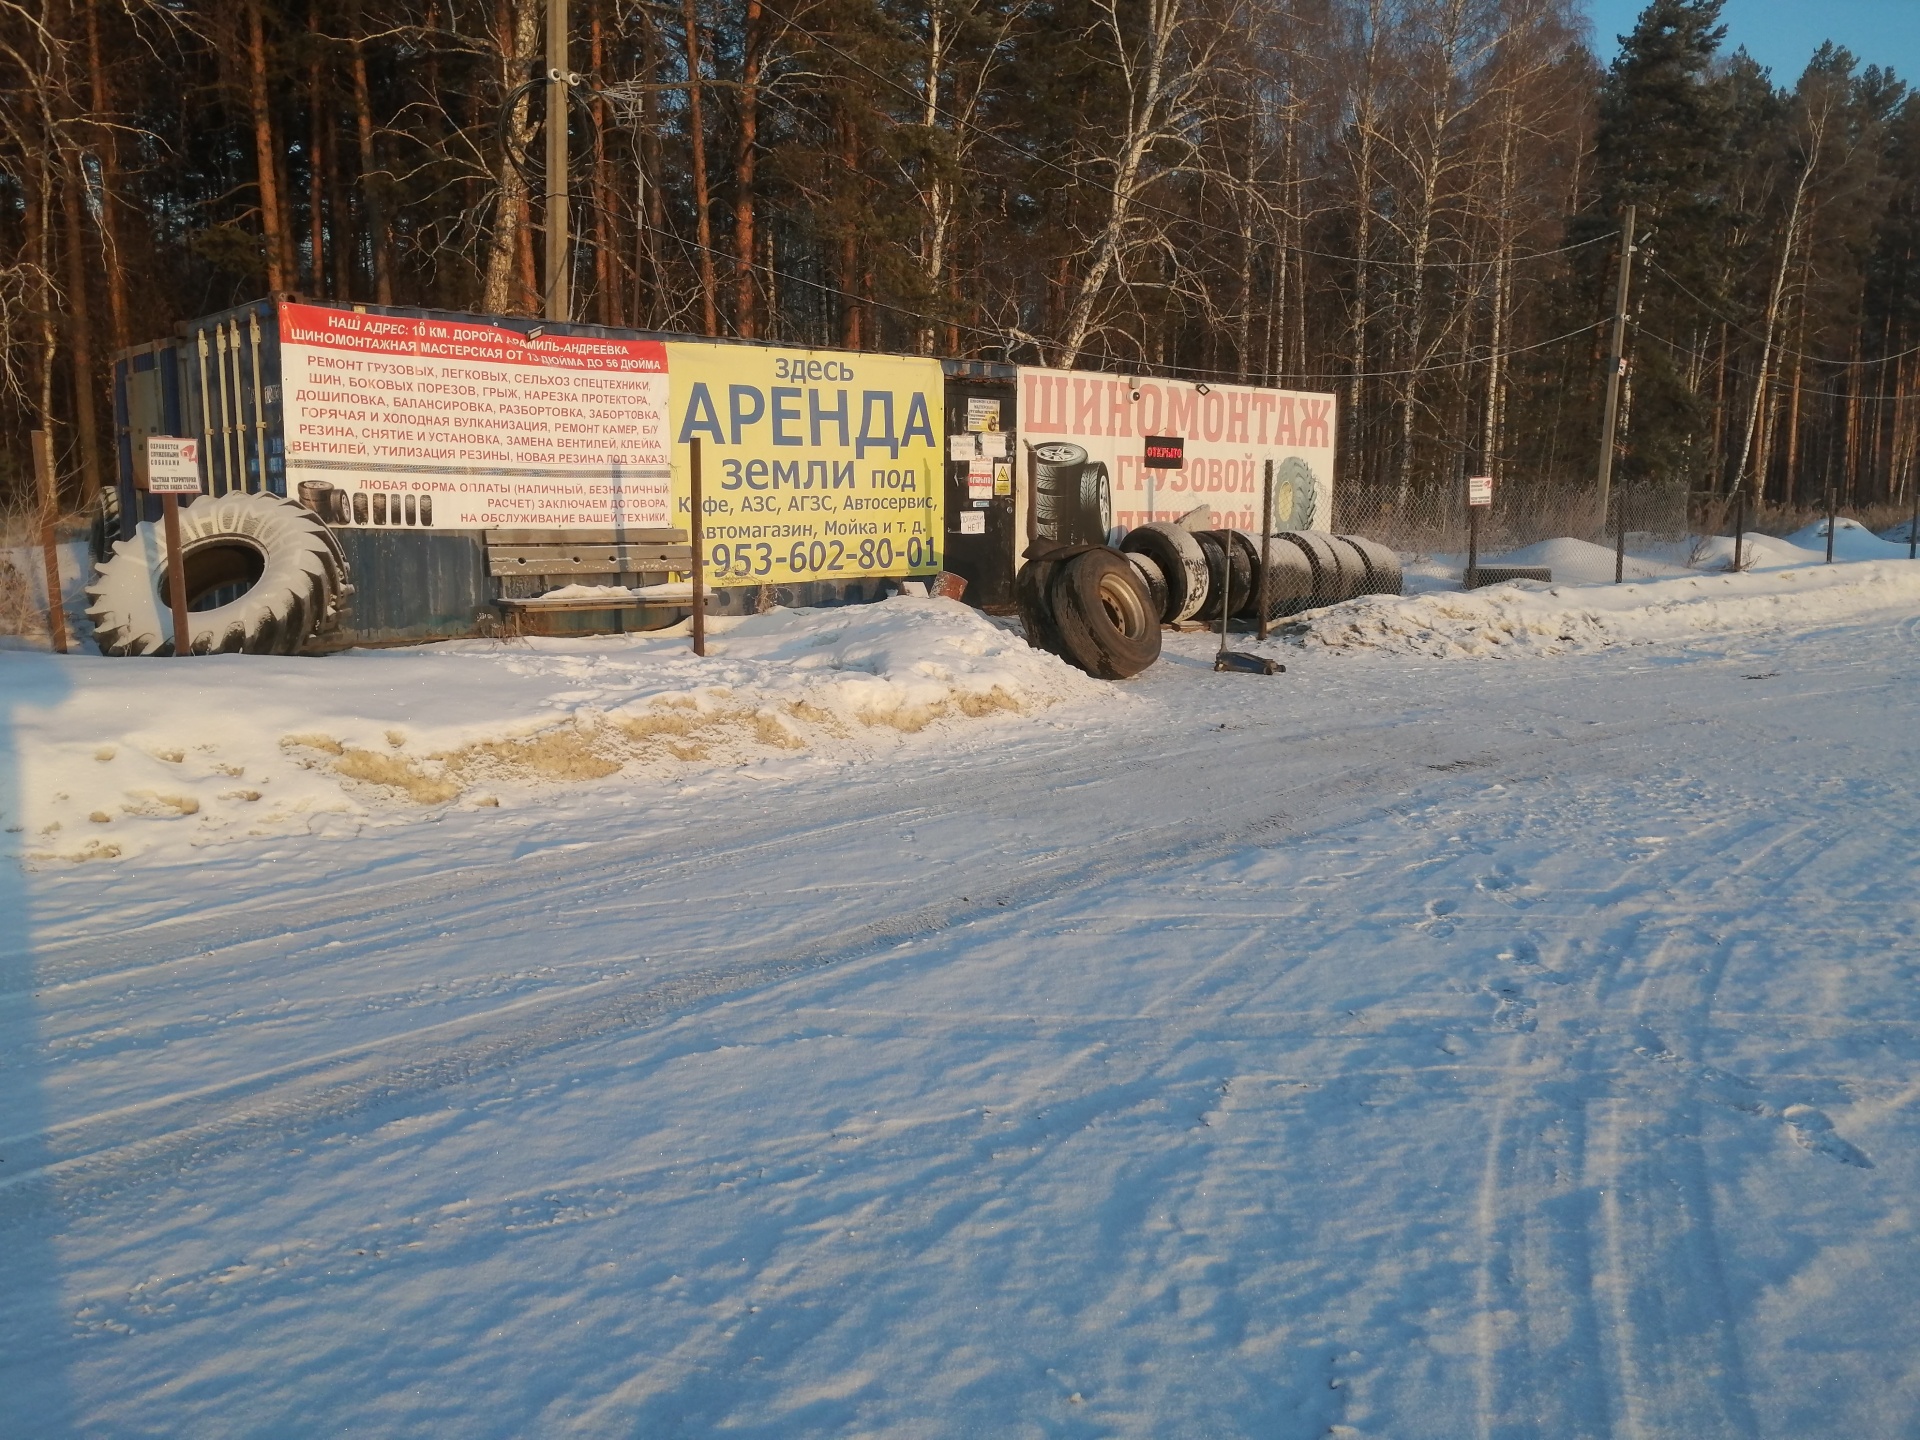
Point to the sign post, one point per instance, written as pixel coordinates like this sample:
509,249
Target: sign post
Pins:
49,507
1479,497
695,531
172,469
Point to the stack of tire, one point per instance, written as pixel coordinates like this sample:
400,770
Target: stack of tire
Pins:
1197,573
264,576
1092,606
1072,495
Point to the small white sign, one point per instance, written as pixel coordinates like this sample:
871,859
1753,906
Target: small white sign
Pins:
173,465
1480,490
962,447
973,522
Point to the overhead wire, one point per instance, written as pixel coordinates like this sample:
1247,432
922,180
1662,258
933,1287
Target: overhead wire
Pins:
1781,350
1001,140
1002,337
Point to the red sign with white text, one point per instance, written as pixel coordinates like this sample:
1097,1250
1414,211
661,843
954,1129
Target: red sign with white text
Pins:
448,423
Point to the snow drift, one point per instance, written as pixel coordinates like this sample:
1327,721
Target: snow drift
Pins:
137,754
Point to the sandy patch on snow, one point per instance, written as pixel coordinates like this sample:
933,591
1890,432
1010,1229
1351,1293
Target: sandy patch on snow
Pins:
128,755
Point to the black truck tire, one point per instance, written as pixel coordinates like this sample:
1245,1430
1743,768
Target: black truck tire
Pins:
1105,615
1230,567
1383,565
1153,578
1318,548
1246,599
1289,579
284,567
1181,561
1032,594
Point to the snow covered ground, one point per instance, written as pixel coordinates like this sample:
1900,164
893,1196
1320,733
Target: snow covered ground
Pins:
1402,1046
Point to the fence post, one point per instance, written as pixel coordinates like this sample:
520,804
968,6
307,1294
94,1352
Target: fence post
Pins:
1619,534
1739,522
1830,522
1266,551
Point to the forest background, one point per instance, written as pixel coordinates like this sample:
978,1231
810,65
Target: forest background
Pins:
1415,204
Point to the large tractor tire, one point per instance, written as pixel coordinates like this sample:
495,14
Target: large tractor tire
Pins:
1182,562
263,576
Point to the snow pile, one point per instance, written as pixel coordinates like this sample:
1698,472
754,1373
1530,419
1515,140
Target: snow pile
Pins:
1851,541
1531,618
113,757
1581,562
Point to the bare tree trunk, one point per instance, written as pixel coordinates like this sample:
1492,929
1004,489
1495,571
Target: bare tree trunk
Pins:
278,244
107,145
80,326
517,24
702,201
746,153
372,187
316,151
608,291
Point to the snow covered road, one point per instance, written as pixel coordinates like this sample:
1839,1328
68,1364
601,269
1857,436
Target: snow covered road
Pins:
1396,1047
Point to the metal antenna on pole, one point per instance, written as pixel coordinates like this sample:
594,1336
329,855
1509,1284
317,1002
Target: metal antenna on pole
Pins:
1612,415
559,78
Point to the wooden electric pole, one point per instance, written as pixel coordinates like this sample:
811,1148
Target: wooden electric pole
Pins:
559,101
1614,366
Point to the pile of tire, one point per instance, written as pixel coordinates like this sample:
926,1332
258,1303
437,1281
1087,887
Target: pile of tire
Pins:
1197,573
1093,607
1072,495
264,576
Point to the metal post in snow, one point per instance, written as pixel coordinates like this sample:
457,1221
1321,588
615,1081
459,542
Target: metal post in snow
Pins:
1830,522
1266,551
696,532
1226,591
1620,536
49,508
1739,522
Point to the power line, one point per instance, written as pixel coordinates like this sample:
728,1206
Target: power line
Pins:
1001,140
1781,350
1896,397
1001,337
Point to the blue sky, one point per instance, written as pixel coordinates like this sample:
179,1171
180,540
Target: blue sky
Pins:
1783,34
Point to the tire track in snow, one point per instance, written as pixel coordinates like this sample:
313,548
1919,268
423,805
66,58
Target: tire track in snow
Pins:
1602,1303
97,1156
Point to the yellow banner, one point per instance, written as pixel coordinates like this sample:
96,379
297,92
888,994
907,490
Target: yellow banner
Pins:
815,464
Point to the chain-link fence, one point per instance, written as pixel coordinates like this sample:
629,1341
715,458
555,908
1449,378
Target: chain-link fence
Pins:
1434,522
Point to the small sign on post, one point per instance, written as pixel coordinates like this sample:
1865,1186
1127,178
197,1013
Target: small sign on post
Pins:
1479,497
172,469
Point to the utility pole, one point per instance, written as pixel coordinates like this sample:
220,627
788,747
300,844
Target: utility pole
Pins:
559,99
1612,415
